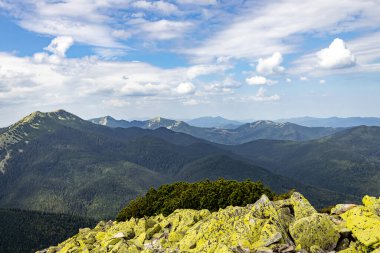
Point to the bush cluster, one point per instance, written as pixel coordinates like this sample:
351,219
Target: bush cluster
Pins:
207,194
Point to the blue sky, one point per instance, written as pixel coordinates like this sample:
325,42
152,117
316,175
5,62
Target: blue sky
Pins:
189,58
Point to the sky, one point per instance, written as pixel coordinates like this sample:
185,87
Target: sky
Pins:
183,59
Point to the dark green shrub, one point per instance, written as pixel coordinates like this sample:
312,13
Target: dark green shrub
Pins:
207,194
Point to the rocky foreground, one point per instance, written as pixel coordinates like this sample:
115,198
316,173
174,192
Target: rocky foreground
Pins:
290,225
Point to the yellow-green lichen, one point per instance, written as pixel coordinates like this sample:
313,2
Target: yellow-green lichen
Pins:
283,226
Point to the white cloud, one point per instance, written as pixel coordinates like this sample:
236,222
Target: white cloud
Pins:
272,26
304,78
336,56
60,45
84,21
116,102
122,34
109,53
57,80
322,81
185,88
198,2
261,96
259,80
288,80
366,48
142,89
270,65
256,80
225,86
159,6
200,70
160,30
191,102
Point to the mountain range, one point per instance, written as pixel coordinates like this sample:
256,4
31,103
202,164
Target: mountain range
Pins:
61,163
334,121
348,161
247,132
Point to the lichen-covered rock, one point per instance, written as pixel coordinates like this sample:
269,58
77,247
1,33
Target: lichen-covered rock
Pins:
285,226
314,231
301,206
364,222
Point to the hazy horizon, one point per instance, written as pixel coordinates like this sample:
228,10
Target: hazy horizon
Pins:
244,120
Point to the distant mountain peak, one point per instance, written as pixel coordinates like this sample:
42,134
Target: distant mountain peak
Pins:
38,115
157,119
31,117
262,123
214,122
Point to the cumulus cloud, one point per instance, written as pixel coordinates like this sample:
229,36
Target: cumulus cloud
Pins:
261,96
322,81
270,65
185,88
259,80
56,80
303,78
256,80
60,45
288,80
336,56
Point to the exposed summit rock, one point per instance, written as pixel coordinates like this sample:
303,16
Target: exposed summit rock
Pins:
290,225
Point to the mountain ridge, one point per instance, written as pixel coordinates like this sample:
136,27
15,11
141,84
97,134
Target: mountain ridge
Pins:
333,121
79,167
214,122
348,156
263,129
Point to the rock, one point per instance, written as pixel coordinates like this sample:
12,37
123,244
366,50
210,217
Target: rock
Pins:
263,250
285,226
343,244
119,235
342,208
270,234
301,206
315,230
316,249
364,222
355,247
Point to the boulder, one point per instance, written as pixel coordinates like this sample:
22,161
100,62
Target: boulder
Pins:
314,230
285,226
342,208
